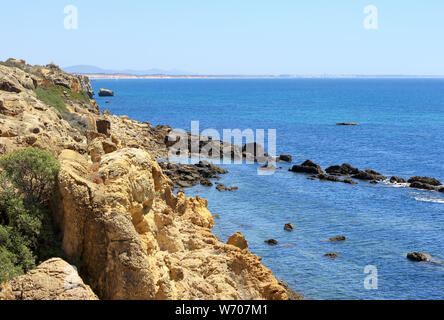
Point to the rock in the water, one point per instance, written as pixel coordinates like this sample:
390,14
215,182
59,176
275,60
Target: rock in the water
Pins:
206,182
368,175
285,158
425,180
418,256
396,179
342,170
349,181
106,93
332,255
307,167
337,238
289,227
292,295
346,124
441,189
238,240
233,188
54,279
185,175
220,187
271,242
423,186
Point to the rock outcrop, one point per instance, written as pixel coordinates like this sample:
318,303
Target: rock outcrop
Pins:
106,93
307,167
114,204
131,224
54,279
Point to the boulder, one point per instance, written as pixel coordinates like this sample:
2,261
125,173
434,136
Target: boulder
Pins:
418,256
423,186
271,242
368,175
307,167
54,279
233,188
106,93
337,238
289,227
425,180
396,179
342,170
285,158
238,240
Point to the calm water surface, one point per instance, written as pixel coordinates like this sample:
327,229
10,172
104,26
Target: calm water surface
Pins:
401,133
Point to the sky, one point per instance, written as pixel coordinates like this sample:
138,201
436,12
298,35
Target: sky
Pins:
311,37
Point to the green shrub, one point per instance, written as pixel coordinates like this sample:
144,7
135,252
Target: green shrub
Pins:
51,98
27,236
57,96
32,172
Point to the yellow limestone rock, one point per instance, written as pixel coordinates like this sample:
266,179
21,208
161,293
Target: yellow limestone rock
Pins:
54,279
137,240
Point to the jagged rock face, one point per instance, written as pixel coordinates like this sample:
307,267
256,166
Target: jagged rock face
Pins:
137,240
54,279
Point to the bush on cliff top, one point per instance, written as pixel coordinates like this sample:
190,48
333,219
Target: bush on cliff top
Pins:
26,230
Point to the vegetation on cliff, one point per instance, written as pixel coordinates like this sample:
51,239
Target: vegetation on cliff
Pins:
57,96
26,231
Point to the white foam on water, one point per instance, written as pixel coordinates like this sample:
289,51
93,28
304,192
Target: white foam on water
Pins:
424,199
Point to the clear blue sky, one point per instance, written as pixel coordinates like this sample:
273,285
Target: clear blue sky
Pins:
230,36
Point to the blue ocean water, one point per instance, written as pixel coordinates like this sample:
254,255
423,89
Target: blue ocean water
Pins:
400,133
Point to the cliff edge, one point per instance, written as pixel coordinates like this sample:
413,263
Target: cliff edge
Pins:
114,206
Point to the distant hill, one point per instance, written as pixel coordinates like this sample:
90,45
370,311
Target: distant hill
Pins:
87,69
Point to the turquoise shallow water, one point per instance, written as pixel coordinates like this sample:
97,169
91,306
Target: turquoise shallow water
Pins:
400,133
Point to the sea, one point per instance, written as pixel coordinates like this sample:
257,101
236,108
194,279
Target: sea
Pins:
400,132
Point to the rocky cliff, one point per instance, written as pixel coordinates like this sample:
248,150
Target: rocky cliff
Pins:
114,206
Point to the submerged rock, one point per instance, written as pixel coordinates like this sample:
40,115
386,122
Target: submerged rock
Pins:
289,227
332,255
418,256
271,242
337,238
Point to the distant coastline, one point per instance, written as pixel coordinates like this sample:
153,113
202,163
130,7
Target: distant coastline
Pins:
97,76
